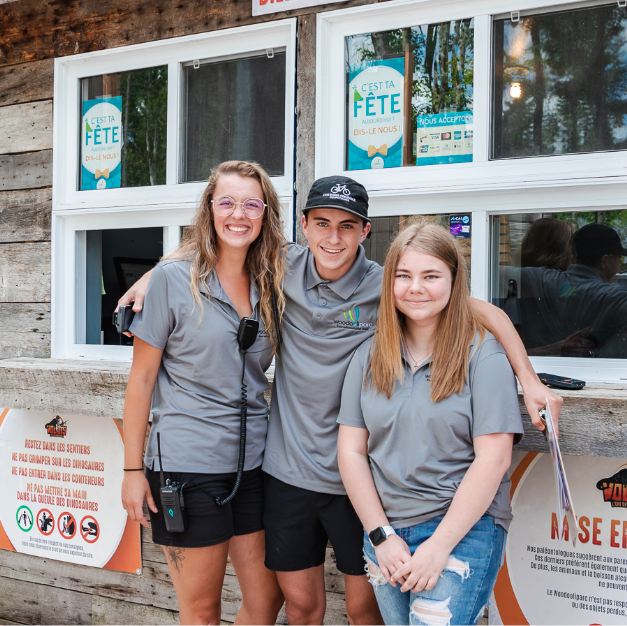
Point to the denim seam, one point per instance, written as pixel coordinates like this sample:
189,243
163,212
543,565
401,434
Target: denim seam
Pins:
485,573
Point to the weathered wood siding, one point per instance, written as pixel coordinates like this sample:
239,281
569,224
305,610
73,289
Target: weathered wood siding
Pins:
25,208
33,30
26,127
28,82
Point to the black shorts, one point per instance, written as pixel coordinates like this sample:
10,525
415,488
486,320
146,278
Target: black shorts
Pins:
208,524
299,523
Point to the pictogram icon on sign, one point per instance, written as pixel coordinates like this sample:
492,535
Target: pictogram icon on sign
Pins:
45,522
90,529
67,525
24,518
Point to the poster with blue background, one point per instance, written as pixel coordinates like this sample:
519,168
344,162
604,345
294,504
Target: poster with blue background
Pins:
101,143
376,114
444,138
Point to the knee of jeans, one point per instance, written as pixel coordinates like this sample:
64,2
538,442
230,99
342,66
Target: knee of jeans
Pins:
373,572
459,567
432,612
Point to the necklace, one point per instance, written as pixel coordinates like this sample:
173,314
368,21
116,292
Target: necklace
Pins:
416,362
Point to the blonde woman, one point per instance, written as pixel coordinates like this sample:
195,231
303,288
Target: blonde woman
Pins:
428,418
186,359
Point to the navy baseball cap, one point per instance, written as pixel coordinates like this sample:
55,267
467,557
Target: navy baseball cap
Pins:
339,192
595,240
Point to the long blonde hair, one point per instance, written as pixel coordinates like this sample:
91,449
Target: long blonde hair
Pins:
265,258
457,326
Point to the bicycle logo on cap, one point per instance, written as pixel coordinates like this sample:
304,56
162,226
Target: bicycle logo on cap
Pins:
343,189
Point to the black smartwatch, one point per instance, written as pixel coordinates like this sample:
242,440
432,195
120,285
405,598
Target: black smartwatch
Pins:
379,535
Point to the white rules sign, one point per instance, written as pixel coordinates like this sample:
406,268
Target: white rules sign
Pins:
262,7
60,492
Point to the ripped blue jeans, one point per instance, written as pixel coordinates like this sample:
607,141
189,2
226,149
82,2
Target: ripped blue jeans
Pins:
465,585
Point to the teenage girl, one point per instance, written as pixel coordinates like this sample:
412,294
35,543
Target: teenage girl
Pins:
428,418
186,359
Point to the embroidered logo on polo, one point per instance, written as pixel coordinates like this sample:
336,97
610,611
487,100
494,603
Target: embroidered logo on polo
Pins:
340,192
353,316
351,320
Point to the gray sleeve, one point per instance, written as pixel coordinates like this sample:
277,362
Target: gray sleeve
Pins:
154,323
350,411
494,393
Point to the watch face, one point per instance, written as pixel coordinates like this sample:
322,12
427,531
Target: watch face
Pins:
377,536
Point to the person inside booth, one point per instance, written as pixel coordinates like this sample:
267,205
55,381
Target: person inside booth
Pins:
564,300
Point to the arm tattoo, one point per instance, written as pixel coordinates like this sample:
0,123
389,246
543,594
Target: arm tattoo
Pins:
176,557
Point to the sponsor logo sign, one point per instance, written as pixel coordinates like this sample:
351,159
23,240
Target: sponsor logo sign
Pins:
459,226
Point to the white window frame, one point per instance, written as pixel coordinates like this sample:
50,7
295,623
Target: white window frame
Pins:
169,206
334,26
579,182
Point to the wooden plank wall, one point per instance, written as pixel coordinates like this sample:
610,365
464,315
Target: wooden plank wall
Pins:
25,208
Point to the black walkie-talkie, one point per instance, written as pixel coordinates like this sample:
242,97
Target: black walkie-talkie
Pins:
171,499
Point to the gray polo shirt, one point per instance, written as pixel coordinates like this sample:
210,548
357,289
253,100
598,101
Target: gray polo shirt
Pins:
324,323
420,450
197,398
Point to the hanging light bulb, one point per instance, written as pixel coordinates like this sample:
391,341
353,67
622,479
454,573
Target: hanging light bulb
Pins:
515,91
517,73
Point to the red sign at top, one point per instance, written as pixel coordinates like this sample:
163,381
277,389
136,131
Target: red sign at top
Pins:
261,7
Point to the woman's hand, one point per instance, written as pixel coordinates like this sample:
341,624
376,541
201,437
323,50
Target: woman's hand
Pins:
391,555
135,490
423,569
135,296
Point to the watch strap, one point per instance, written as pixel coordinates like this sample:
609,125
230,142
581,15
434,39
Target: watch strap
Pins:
388,530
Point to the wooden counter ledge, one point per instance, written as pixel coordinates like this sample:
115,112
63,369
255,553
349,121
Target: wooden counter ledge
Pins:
593,420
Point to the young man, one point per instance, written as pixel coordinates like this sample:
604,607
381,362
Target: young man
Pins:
332,294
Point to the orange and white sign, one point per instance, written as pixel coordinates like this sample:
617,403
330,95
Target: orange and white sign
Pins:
60,490
547,580
262,7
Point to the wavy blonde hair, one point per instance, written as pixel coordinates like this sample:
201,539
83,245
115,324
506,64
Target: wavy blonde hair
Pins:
265,258
457,326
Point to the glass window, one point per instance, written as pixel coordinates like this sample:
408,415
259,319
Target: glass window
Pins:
235,109
409,96
123,129
562,280
115,259
384,230
560,83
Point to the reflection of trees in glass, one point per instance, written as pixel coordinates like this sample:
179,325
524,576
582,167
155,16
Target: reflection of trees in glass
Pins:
144,118
573,70
443,62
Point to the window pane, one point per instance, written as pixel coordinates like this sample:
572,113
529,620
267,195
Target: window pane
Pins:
384,230
562,280
560,83
409,96
235,109
114,260
123,129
